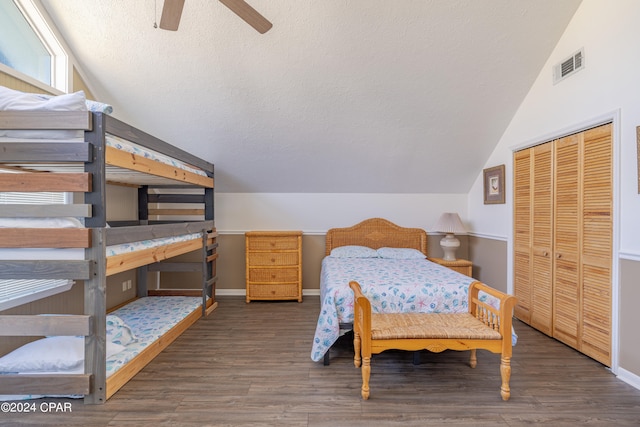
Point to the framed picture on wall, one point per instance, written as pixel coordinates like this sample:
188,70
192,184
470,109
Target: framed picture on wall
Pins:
494,185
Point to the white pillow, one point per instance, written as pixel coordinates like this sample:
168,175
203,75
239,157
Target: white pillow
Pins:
400,253
51,354
353,252
118,332
13,100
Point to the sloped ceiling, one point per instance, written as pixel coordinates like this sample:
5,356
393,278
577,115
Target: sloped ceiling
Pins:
358,96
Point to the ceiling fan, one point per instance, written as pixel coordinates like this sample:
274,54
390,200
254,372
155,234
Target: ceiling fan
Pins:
172,10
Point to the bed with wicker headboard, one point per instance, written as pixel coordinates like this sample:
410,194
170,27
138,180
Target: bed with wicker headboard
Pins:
389,261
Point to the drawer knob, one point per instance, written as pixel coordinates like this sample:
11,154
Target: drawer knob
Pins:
273,260
273,276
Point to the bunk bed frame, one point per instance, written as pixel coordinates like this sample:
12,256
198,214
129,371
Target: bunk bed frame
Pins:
86,167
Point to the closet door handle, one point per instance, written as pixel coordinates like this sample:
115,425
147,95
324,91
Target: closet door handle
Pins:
558,256
545,254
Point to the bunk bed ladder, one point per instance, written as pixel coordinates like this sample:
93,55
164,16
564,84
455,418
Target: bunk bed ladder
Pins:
209,277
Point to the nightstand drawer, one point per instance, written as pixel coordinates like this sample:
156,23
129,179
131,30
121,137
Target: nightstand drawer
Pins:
269,291
271,244
273,275
263,259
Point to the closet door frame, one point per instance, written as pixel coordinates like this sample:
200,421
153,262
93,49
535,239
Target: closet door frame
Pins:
614,118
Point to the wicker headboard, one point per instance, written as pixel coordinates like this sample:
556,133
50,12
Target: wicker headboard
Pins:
377,233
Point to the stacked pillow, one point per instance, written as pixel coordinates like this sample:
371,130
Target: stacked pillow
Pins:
354,251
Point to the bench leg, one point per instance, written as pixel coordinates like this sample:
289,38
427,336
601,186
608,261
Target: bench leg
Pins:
505,373
356,347
366,373
473,360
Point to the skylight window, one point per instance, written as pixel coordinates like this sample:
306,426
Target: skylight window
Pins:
29,46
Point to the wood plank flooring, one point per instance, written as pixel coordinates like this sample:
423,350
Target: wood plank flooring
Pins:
250,365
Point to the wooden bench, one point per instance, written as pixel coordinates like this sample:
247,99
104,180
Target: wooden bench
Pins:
483,327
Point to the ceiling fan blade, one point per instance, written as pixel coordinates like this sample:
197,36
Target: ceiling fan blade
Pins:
171,13
249,14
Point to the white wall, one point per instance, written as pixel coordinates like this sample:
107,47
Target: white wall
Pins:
609,33
607,87
316,213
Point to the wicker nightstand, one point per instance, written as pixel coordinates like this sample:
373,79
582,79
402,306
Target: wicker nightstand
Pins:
274,265
460,265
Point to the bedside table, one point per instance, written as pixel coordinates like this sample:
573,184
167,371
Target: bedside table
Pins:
460,265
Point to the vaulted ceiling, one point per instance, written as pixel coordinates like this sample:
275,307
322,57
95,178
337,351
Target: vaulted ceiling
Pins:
358,96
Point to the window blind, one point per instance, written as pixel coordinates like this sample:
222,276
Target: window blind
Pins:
18,292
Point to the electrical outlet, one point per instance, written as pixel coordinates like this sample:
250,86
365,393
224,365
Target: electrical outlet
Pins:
124,286
129,284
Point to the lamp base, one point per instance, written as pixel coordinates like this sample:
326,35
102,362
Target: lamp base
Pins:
449,244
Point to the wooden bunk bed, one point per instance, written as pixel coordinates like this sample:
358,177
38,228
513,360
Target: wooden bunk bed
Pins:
85,167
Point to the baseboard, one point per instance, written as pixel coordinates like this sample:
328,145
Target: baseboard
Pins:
629,378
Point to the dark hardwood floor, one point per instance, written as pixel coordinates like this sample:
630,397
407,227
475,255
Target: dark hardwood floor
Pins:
249,364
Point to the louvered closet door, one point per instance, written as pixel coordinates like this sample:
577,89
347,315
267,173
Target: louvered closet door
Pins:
563,239
567,238
522,281
542,220
597,244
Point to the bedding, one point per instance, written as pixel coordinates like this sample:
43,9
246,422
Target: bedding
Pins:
147,244
130,147
392,285
130,329
50,355
13,100
149,318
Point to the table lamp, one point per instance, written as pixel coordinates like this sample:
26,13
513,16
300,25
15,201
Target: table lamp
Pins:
450,224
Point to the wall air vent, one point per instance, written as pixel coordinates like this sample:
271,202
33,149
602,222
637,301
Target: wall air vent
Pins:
569,66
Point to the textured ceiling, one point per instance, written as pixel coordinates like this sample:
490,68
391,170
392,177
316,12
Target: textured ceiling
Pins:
358,96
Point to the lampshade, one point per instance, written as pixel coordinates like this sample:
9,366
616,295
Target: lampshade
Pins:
450,224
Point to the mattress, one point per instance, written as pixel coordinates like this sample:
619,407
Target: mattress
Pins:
145,320
149,318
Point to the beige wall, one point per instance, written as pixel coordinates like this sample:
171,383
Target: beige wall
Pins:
17,84
489,258
629,315
12,82
79,84
69,302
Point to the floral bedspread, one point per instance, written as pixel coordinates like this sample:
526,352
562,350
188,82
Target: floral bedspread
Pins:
138,150
392,286
149,318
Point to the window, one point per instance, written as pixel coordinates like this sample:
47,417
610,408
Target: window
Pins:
29,46
18,292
